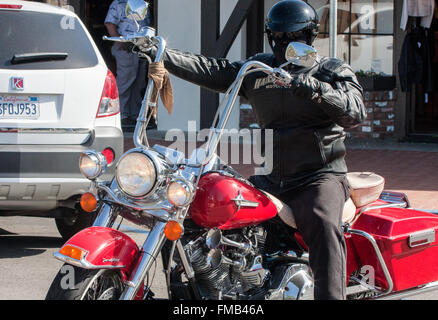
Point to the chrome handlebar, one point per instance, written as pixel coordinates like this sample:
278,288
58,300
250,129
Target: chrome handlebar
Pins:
140,137
145,35
118,39
230,97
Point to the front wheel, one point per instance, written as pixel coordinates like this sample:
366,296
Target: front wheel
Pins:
74,283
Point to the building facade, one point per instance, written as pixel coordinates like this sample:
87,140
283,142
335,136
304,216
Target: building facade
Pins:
370,39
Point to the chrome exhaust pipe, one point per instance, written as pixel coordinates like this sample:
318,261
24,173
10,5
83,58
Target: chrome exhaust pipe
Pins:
215,258
215,238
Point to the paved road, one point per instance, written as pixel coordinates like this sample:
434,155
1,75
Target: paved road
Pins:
27,267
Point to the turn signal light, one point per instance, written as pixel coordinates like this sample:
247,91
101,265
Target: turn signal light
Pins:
72,252
173,230
88,202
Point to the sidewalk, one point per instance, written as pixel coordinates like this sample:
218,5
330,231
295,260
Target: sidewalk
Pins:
411,168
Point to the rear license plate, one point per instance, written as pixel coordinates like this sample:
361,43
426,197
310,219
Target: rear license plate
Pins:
19,107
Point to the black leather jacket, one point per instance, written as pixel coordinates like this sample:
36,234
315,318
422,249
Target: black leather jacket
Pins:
308,134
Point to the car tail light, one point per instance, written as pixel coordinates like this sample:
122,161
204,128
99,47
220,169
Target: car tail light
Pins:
11,6
109,154
109,102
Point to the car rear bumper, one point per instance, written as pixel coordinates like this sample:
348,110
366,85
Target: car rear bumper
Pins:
39,177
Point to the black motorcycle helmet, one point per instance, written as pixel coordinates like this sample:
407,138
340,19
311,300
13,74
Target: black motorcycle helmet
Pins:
290,20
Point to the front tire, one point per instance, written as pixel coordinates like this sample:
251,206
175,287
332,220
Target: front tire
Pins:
73,221
74,283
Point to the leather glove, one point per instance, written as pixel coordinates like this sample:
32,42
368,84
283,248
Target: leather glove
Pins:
162,85
306,86
146,50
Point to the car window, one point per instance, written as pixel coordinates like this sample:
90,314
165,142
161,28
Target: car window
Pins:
26,32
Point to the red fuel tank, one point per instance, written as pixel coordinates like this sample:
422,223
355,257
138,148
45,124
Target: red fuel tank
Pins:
226,203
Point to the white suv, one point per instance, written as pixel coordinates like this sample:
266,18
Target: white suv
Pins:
57,99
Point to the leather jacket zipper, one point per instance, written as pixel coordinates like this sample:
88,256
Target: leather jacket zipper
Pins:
321,148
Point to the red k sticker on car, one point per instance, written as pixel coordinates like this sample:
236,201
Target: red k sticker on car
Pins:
18,83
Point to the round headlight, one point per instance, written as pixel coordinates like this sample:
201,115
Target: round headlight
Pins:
92,164
136,174
179,193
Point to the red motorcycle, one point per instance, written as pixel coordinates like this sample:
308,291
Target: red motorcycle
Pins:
219,236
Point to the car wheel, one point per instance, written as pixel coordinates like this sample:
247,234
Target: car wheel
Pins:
73,221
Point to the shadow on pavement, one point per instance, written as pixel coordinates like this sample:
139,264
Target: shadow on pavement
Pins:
12,246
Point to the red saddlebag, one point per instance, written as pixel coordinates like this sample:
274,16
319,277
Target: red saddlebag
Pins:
408,244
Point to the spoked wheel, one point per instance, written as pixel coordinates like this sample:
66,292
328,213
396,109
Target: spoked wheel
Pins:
82,284
105,285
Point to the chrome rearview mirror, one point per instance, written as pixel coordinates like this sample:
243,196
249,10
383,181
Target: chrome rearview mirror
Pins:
136,10
301,54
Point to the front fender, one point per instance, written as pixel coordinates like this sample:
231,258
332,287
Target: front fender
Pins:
100,248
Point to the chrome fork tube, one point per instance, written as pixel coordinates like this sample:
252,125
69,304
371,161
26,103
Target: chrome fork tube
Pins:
106,216
190,273
107,213
149,253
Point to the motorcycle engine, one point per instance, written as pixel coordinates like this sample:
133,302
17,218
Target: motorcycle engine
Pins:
229,265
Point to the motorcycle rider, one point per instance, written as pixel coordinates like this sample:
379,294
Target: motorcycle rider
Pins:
308,117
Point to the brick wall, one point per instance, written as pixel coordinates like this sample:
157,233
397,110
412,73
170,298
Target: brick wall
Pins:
247,117
380,120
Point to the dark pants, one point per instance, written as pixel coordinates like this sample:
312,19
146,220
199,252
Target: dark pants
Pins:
131,80
317,208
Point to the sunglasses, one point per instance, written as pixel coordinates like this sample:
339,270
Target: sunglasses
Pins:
289,36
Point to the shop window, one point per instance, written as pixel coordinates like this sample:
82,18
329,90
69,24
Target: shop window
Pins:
365,33
60,3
